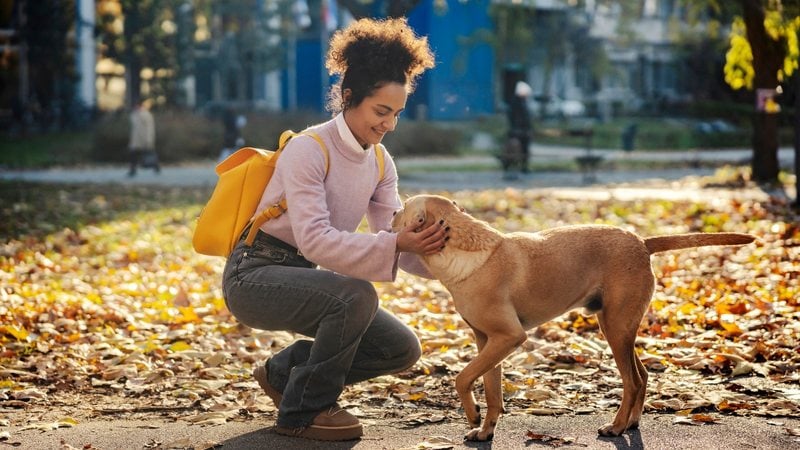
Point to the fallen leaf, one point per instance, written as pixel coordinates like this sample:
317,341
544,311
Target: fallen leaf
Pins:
433,443
552,441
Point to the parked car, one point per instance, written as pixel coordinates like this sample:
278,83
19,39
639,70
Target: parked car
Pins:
557,107
715,126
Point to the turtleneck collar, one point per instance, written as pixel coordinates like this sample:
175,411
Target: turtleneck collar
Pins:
348,137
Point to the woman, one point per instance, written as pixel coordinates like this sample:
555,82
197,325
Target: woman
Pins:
274,286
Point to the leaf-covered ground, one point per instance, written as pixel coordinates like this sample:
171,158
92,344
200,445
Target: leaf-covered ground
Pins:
104,303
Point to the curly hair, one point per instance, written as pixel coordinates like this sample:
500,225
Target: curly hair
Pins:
371,53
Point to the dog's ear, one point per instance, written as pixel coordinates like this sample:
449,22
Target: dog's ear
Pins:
414,213
427,214
468,233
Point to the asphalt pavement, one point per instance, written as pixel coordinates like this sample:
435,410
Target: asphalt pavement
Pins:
656,431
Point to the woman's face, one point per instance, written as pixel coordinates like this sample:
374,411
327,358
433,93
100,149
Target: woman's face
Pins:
377,114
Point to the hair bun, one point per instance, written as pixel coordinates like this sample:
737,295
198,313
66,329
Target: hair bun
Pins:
386,45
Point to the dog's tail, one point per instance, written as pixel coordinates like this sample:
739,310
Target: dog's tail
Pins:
674,242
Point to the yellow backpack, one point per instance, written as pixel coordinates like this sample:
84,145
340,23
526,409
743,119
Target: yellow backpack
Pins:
243,176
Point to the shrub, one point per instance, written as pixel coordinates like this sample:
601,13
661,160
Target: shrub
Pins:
184,136
46,149
412,138
409,138
263,129
180,136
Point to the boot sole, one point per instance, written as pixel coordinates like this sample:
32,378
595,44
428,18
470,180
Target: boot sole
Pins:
260,375
322,433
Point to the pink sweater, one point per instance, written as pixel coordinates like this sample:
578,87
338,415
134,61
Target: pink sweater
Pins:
325,211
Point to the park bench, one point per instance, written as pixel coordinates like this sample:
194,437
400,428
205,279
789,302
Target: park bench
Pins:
589,162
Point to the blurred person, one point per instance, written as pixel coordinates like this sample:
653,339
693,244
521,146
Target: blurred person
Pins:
275,284
519,133
142,142
233,127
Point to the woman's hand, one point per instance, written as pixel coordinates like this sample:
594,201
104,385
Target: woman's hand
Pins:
427,241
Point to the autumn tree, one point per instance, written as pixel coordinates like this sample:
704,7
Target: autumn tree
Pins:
249,38
162,36
763,54
142,35
45,30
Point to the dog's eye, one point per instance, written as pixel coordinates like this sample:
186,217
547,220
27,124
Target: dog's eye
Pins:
394,213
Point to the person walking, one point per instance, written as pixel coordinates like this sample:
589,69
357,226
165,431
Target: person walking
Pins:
519,134
142,141
275,284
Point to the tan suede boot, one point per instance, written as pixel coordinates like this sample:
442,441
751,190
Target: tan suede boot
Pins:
333,424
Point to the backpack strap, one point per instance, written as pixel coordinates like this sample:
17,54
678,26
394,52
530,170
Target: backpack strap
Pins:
279,208
381,163
288,134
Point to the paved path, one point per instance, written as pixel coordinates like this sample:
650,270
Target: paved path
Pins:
656,432
435,173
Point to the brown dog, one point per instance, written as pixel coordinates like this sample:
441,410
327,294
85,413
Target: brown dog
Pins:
505,284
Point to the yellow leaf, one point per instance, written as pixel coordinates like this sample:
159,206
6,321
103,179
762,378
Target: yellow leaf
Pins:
188,314
19,333
509,388
415,397
180,346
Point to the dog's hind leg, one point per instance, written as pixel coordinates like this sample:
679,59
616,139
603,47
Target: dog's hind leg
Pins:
499,343
621,336
638,407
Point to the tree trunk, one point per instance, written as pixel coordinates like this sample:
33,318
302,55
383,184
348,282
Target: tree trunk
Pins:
767,59
400,8
133,25
797,139
393,8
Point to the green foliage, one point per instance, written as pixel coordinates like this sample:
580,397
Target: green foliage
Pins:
62,148
653,133
514,36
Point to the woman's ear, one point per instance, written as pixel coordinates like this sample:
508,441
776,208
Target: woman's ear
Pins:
347,94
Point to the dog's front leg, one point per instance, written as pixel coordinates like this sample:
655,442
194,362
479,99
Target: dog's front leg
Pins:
491,353
492,386
465,393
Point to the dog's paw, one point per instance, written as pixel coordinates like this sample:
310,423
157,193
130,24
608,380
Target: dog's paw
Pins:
475,420
609,431
479,435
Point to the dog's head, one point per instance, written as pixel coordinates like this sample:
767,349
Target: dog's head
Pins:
466,232
423,210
